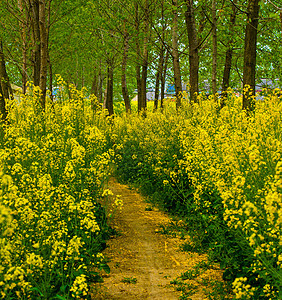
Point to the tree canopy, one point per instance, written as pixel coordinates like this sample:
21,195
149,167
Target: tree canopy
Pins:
119,48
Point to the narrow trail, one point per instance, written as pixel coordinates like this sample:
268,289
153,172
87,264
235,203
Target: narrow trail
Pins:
147,260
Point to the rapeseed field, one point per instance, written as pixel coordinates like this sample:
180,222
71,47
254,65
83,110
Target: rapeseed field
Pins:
219,169
53,167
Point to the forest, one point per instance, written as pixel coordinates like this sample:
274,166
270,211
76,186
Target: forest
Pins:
117,49
179,99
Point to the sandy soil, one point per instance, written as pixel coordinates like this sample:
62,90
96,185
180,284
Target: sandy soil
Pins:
143,257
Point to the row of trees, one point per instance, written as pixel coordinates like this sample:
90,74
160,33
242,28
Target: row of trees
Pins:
128,45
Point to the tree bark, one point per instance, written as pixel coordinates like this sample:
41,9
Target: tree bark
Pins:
43,52
4,78
138,53
23,32
158,77
281,22
50,70
250,54
175,55
193,51
3,110
94,86
143,101
123,73
228,55
163,78
214,48
5,87
110,87
34,7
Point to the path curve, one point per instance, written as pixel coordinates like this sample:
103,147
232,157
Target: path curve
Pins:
141,253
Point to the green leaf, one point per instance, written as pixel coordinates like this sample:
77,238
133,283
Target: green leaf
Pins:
60,297
106,268
37,290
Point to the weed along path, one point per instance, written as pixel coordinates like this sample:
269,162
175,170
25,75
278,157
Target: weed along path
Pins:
145,263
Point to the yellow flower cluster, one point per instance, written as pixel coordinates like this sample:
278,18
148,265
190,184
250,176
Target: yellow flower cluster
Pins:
79,288
241,289
221,169
53,168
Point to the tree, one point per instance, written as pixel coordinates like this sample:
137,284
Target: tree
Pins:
214,47
193,50
123,73
250,54
229,53
175,55
5,87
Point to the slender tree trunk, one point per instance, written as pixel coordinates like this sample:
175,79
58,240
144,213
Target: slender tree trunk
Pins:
158,78
36,41
23,32
94,86
175,55
101,83
144,85
110,87
214,48
281,22
3,110
193,51
145,58
228,55
123,73
4,78
50,70
5,88
138,53
43,52
250,54
100,79
163,79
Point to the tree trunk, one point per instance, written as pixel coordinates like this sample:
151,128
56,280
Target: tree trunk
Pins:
97,85
144,85
4,78
138,84
214,48
145,58
175,55
50,77
138,53
193,51
281,23
5,88
123,74
3,110
23,32
110,87
100,90
36,41
228,55
163,78
250,55
43,52
94,86
158,78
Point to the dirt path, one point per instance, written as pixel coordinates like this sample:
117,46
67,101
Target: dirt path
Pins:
143,262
